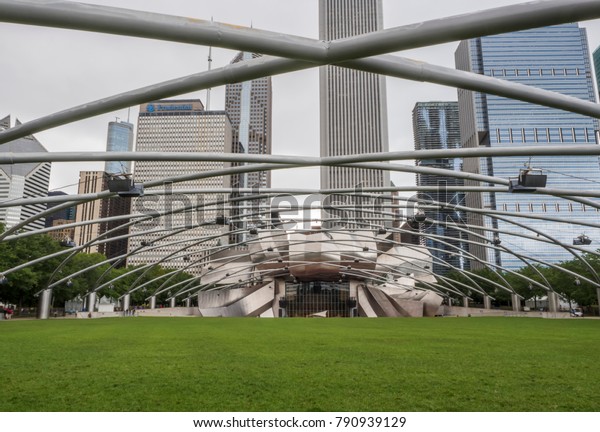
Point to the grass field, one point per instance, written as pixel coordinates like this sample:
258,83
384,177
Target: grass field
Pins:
189,364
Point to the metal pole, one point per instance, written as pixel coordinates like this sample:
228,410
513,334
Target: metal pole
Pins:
127,22
516,302
126,303
45,300
92,302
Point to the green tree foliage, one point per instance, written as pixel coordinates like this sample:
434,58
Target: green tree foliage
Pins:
574,289
525,287
22,285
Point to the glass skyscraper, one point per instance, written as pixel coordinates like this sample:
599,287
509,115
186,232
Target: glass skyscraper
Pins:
119,139
436,127
596,57
553,58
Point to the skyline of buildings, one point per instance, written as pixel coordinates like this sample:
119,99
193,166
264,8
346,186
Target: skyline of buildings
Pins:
554,58
487,120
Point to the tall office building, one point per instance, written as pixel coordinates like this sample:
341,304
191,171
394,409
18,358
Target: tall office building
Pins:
436,127
92,182
554,58
62,217
180,126
28,180
249,107
119,139
353,109
596,57
67,214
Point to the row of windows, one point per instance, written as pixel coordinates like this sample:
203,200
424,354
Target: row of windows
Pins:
538,72
556,207
545,135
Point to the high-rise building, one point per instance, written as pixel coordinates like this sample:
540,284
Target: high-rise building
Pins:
62,217
249,107
553,58
180,126
67,214
92,182
119,139
28,180
353,108
436,127
596,57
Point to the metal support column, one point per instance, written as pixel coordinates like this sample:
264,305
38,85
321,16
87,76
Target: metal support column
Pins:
188,302
172,302
91,302
44,304
153,302
126,303
552,301
516,302
487,302
466,302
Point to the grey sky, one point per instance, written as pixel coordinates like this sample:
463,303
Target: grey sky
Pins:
47,70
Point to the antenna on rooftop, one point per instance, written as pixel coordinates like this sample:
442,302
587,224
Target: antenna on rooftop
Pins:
209,69
128,114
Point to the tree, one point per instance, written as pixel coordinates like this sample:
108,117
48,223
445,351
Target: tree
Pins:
22,285
524,287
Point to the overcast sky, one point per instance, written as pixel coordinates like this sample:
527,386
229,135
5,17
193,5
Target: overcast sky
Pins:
47,70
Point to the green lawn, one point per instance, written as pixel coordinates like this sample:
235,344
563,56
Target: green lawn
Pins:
194,364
